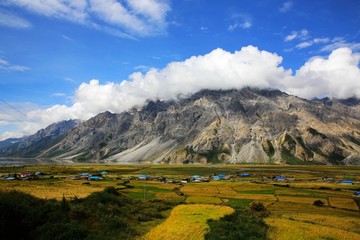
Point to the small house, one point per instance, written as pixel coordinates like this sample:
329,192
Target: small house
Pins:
94,178
221,176
84,175
142,177
104,172
196,178
244,175
216,178
10,178
356,194
25,174
280,178
346,182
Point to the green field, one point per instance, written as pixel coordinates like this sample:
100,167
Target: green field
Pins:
289,212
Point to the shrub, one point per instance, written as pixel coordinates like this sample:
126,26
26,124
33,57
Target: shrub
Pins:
102,215
257,206
318,203
242,224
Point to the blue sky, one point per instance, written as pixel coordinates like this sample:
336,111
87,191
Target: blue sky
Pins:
62,59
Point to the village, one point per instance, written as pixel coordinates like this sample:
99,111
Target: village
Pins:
104,175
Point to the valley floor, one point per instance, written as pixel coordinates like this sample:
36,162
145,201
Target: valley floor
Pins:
287,192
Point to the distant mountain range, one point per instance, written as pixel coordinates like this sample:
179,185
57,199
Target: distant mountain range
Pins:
211,126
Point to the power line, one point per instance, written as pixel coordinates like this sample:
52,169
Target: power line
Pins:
17,110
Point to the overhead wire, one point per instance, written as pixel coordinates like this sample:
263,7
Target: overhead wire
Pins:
20,112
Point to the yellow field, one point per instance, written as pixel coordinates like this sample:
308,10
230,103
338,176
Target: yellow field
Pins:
285,229
234,190
202,199
351,224
187,222
346,203
302,200
56,190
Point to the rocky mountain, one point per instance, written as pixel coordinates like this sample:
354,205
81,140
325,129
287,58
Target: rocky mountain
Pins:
10,141
232,126
36,145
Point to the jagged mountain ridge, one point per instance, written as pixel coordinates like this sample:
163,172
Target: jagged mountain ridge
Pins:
218,126
10,141
42,140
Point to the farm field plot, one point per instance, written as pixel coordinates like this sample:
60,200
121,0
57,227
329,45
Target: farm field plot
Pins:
187,222
301,199
347,223
56,189
346,203
284,229
202,199
152,190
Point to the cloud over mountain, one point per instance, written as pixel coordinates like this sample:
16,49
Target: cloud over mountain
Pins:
335,76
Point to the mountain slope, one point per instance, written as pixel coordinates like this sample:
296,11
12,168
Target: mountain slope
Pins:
233,126
34,145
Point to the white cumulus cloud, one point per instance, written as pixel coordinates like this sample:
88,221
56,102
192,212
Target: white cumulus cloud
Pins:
336,75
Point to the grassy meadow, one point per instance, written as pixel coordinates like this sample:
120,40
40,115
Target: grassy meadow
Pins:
198,208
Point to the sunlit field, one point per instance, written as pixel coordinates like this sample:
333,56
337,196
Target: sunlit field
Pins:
188,222
290,203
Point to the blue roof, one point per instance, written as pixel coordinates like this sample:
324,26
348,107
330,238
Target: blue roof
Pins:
94,178
10,178
346,181
280,177
245,174
357,193
104,172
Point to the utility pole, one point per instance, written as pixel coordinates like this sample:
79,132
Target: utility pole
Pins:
144,189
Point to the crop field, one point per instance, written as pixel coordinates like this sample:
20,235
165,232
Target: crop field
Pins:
291,213
345,203
188,222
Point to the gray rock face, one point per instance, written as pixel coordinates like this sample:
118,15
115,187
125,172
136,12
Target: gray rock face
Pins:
34,145
233,126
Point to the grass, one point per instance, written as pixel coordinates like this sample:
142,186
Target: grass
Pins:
241,203
301,200
141,195
351,224
204,200
284,229
55,189
188,222
102,215
345,203
266,191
